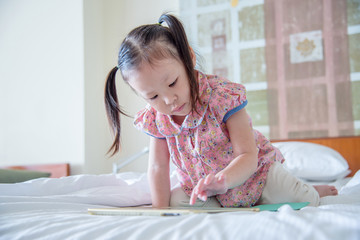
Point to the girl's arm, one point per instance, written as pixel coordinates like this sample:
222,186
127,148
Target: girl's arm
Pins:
241,167
158,172
245,152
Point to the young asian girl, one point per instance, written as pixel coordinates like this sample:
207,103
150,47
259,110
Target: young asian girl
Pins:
200,123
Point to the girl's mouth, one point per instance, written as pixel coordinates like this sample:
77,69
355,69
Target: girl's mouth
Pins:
178,109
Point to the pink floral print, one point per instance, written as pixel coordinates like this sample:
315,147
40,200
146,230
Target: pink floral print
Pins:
201,145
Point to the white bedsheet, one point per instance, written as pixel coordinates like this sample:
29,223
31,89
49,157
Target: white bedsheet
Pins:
57,209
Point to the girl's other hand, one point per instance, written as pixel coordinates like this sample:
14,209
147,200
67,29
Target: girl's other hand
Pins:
207,187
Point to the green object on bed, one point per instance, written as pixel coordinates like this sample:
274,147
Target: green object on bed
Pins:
15,176
275,207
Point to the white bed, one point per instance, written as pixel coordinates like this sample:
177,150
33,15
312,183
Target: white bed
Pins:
56,208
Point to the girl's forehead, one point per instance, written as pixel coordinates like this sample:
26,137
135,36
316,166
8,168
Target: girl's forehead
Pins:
150,72
158,67
147,77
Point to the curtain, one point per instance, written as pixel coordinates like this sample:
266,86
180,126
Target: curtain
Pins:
307,68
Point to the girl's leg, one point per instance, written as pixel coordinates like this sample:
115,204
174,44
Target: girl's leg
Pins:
180,199
282,187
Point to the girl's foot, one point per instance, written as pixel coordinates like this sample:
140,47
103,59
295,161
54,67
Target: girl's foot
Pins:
326,190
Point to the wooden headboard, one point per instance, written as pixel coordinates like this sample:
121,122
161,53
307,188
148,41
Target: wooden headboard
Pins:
56,170
348,147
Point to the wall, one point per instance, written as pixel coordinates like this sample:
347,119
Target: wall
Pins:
116,27
97,136
41,82
54,58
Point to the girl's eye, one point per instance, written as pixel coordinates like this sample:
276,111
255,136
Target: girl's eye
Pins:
154,97
173,83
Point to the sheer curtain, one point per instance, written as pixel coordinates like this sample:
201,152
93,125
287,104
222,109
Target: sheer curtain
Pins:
308,73
292,56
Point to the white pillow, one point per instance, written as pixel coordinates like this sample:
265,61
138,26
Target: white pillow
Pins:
313,162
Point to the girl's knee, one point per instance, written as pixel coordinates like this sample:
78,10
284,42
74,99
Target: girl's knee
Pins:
178,197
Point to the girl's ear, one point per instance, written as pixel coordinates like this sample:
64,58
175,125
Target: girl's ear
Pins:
193,56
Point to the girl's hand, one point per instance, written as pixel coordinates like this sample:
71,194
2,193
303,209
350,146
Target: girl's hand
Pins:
207,187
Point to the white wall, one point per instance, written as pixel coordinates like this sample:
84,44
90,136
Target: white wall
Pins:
41,82
116,26
97,136
54,57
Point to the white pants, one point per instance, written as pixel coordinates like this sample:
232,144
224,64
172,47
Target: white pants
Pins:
280,187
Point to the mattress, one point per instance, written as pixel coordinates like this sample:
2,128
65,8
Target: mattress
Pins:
57,209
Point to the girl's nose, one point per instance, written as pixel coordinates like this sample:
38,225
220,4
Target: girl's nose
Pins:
169,99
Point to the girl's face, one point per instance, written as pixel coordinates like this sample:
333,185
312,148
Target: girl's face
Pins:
164,85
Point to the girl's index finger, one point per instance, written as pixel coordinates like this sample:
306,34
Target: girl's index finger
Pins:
196,191
200,185
209,179
192,198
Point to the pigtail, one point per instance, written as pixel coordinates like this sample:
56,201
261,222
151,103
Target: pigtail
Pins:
183,48
113,110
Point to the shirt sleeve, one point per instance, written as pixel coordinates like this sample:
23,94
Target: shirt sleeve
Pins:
227,99
145,121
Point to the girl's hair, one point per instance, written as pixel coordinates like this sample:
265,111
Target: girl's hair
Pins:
148,44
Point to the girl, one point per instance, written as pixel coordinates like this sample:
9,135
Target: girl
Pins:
199,122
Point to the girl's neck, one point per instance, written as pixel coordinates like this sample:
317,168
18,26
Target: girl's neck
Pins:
178,119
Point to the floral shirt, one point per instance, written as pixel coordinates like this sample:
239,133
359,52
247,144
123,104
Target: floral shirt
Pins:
201,145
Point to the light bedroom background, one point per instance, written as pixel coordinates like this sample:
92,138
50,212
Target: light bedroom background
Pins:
299,60
54,58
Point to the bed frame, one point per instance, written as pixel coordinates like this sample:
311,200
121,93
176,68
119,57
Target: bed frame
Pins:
57,170
348,147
